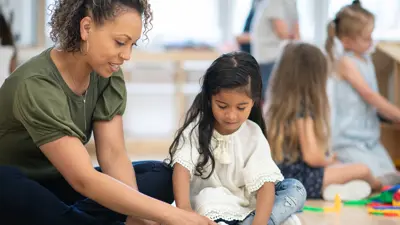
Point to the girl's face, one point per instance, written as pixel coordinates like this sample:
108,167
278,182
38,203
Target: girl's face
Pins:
107,46
230,108
363,42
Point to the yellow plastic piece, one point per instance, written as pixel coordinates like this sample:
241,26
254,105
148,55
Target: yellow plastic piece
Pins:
337,206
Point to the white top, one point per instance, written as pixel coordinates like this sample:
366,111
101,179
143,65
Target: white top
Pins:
265,43
243,164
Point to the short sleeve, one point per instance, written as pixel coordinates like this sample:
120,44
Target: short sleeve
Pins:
42,107
260,168
187,154
112,100
274,9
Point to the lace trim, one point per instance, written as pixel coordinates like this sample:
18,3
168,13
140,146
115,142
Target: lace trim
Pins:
185,164
258,181
228,215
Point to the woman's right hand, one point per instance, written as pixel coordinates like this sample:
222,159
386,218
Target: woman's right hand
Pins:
192,218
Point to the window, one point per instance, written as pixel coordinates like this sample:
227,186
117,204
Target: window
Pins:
240,11
178,21
24,20
387,26
183,20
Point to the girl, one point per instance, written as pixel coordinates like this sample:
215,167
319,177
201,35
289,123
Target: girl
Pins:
49,108
356,136
221,158
297,118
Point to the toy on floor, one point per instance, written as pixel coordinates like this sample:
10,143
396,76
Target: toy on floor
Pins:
396,198
337,206
387,203
393,210
384,211
386,197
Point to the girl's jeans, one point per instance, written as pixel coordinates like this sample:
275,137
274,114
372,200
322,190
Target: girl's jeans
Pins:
290,196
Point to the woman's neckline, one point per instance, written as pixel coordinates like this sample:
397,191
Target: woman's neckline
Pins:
62,82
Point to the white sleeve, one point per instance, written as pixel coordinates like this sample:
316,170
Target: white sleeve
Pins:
260,168
187,153
275,9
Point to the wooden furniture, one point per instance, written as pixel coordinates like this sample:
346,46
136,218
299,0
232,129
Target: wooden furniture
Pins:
387,65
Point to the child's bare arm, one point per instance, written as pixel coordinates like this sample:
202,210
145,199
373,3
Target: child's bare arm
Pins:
312,152
349,72
265,202
280,28
181,186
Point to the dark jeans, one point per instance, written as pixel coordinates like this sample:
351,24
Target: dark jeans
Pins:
54,202
266,70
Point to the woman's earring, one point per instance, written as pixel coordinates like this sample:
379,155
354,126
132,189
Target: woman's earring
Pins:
87,48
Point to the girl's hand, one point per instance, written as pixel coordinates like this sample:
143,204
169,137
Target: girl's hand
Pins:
332,159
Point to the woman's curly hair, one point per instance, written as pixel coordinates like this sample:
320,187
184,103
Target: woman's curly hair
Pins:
67,14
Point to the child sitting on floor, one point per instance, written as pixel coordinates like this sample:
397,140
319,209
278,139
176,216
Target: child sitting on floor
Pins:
297,118
221,158
356,135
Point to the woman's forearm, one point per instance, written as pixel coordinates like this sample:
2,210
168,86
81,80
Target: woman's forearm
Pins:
119,166
123,199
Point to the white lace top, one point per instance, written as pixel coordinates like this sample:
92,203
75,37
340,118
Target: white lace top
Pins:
243,164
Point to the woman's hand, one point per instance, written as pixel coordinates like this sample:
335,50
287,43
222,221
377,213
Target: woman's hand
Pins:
190,218
136,221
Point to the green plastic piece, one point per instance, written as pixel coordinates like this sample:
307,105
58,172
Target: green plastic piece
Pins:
357,202
313,209
378,213
384,197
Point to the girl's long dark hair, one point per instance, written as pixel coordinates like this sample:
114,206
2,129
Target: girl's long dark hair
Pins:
236,70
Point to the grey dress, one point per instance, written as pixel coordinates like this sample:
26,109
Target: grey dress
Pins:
356,127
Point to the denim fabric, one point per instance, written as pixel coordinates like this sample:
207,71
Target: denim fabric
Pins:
290,197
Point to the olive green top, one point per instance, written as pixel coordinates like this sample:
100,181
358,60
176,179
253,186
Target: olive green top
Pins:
37,107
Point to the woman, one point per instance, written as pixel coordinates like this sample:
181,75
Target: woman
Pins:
274,23
50,106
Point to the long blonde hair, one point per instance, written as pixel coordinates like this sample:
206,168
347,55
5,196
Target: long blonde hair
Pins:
297,85
350,21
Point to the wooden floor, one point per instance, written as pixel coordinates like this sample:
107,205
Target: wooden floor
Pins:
347,216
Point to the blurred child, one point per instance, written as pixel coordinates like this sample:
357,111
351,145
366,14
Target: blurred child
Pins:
221,158
356,136
297,118
275,22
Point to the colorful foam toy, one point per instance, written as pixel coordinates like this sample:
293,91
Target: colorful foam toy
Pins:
387,203
396,199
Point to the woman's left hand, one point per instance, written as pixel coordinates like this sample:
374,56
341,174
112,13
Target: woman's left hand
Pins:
137,221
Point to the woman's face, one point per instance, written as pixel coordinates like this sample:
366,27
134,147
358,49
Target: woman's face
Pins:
108,45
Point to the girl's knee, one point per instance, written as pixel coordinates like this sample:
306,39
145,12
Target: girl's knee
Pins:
363,170
295,191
